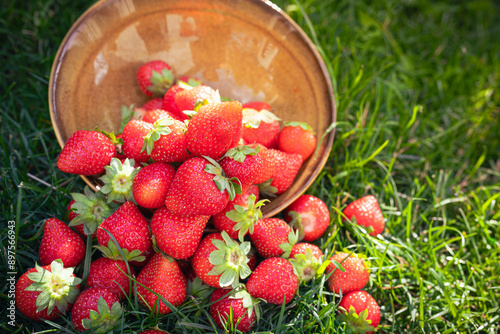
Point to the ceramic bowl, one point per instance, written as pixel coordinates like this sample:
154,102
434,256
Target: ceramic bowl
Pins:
248,49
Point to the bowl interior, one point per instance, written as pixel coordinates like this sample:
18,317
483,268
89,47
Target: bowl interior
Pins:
248,49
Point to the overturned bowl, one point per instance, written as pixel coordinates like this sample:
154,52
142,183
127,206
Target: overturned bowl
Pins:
248,49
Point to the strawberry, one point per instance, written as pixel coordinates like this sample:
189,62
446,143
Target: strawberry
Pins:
354,275
233,309
220,261
169,101
154,78
360,311
260,125
163,276
130,229
188,98
366,212
60,242
297,137
309,215
133,139
96,309
267,167
274,281
47,292
272,237
118,180
306,259
200,188
243,211
214,129
244,163
286,167
88,211
110,274
151,184
86,153
153,104
177,236
166,142
155,114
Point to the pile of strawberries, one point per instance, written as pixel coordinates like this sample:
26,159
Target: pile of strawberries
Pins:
179,213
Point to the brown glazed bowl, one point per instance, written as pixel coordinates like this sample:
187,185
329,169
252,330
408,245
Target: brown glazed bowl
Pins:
248,49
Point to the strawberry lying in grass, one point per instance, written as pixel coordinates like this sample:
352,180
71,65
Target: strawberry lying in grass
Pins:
47,292
234,309
366,212
354,275
96,309
86,153
306,259
360,311
309,215
110,274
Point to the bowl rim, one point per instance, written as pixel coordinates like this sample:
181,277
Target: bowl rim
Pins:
268,5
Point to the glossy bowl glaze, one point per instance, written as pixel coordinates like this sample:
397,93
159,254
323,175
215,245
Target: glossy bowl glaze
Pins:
248,49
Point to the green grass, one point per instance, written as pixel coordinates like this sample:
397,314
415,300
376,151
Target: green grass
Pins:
417,93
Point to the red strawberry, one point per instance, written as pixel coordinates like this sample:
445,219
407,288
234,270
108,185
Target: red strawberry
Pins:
200,188
164,277
57,284
243,163
309,215
110,274
286,167
86,153
267,166
233,309
187,99
297,137
169,101
274,281
177,236
151,184
260,125
214,129
155,114
167,141
360,312
272,237
98,309
130,229
60,242
154,78
133,140
367,213
242,209
220,261
153,104
306,259
354,276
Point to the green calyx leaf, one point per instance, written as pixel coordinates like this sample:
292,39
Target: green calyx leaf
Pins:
302,125
118,180
356,323
198,289
112,252
239,153
105,319
192,82
232,185
250,303
161,82
286,247
91,208
306,265
252,117
189,113
128,113
57,287
245,218
111,136
267,189
160,128
230,261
